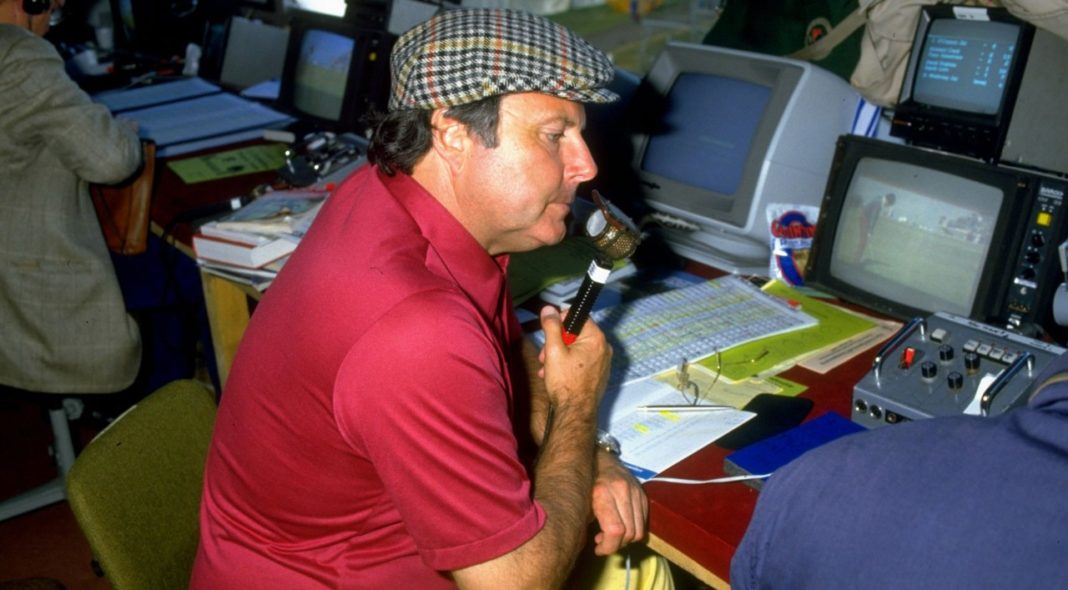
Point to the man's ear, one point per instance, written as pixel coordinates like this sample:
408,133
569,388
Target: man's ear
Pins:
451,140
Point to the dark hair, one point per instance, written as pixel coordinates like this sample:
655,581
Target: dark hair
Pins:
401,138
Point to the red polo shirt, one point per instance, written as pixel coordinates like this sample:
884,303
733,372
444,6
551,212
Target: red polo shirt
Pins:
365,437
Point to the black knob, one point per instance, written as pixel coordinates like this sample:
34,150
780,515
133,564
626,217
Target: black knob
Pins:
1038,239
955,380
945,353
928,369
971,362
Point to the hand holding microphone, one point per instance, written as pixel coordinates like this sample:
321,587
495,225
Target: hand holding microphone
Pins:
616,238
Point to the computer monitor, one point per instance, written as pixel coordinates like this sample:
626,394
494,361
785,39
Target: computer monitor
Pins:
909,231
962,79
721,133
334,71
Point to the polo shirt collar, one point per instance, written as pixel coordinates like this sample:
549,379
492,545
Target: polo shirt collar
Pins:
481,276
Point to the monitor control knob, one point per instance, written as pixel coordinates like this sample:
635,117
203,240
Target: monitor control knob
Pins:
955,380
928,370
945,353
971,362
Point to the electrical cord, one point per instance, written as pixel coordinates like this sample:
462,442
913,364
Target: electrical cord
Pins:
727,479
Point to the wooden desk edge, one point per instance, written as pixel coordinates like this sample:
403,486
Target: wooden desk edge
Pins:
686,562
228,315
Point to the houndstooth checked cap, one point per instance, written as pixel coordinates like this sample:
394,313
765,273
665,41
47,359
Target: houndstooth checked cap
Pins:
464,55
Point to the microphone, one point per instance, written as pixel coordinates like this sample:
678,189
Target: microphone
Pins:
616,238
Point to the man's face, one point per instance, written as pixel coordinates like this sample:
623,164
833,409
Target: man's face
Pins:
517,196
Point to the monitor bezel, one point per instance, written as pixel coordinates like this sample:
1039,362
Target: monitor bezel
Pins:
367,81
909,112
1005,241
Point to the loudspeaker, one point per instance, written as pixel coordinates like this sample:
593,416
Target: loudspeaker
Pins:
33,7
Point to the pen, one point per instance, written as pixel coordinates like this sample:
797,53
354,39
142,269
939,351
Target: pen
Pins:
685,408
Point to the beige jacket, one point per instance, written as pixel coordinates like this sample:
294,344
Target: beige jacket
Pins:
63,324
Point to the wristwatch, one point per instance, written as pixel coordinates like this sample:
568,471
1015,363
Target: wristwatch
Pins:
606,441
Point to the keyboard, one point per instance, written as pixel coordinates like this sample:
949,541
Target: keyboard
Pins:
654,333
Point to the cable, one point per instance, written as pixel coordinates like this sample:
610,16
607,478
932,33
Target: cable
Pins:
728,479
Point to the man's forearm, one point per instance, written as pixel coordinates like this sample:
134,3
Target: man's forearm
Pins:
539,399
563,479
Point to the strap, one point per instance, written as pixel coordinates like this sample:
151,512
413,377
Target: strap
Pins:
823,46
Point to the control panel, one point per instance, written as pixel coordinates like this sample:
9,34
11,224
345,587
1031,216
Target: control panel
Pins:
946,365
1034,275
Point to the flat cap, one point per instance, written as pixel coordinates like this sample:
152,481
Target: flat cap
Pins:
464,55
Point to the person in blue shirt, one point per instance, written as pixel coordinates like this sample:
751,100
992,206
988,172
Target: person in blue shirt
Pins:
951,502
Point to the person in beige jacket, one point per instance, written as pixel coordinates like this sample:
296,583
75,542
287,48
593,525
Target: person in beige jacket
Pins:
63,324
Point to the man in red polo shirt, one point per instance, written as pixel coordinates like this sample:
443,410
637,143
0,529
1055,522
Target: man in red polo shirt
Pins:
375,426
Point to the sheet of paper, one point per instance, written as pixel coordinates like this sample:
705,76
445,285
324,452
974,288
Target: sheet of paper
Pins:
126,99
653,441
204,120
774,354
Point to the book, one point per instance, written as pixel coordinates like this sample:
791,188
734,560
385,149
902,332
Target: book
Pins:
258,278
768,455
241,254
277,212
211,229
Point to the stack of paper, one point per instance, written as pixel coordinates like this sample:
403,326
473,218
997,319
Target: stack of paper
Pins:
252,243
191,114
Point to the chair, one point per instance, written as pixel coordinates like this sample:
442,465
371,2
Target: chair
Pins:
63,453
135,489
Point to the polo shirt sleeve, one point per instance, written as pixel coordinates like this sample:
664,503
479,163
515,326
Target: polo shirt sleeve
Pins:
423,394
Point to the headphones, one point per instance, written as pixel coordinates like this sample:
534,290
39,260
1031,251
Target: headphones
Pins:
35,7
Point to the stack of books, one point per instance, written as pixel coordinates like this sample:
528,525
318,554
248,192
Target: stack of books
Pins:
252,244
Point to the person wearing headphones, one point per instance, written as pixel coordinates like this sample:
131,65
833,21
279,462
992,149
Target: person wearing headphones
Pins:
64,324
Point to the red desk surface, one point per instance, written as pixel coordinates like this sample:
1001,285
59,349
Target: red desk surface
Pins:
172,197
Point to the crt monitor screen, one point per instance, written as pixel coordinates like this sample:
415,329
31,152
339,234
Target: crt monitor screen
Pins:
965,65
719,134
919,233
322,73
909,231
725,141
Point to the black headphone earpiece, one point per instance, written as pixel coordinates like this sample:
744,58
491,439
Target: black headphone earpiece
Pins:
34,7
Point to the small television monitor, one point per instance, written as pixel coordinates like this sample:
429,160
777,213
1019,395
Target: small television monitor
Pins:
334,72
962,79
908,231
721,133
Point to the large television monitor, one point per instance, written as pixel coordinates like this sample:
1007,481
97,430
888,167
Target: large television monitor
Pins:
909,231
721,133
334,72
962,79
